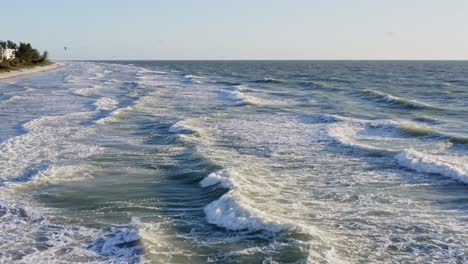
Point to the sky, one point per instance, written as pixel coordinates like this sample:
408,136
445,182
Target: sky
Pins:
240,29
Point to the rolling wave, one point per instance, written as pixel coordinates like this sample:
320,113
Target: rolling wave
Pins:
194,78
281,182
407,103
426,131
324,85
268,80
450,166
48,139
241,98
56,174
229,83
417,131
231,214
228,211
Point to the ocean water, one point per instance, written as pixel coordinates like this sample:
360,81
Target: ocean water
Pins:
236,162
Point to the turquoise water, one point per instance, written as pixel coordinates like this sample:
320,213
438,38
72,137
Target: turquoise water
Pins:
236,162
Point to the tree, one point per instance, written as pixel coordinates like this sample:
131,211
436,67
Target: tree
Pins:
11,44
45,56
26,54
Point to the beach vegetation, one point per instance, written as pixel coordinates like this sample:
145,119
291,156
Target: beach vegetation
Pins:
25,56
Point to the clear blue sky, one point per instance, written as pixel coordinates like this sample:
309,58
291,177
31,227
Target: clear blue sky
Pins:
240,29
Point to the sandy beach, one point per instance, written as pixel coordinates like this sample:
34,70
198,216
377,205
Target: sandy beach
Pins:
24,73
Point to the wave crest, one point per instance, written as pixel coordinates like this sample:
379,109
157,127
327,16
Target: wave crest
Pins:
449,166
417,130
407,103
219,177
229,212
268,80
106,104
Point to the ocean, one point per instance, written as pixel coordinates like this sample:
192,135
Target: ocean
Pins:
236,162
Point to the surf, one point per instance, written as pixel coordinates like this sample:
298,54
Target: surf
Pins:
399,101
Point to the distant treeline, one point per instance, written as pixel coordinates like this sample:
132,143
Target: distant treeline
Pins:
24,56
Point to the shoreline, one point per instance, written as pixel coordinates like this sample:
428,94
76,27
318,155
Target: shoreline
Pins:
25,73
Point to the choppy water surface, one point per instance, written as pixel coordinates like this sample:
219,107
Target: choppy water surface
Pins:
236,162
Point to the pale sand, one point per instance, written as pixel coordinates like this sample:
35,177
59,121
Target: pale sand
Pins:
25,73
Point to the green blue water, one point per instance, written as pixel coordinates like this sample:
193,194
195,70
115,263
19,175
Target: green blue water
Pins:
236,162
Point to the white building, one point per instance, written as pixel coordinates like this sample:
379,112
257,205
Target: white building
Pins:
8,54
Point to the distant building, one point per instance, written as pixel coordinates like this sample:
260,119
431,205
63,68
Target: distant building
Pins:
8,54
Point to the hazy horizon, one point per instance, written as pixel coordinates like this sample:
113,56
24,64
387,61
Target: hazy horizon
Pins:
244,30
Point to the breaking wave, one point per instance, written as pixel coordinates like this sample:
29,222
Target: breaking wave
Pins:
194,78
241,98
450,166
219,177
30,237
106,104
228,212
355,133
408,103
56,174
48,139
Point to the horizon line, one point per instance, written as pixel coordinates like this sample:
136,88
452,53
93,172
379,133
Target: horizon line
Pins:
458,60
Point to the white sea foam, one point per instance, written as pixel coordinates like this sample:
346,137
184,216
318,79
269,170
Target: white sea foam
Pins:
345,131
228,213
88,91
123,244
398,100
387,136
57,174
49,139
195,78
221,177
21,227
241,98
149,80
106,104
360,134
114,116
244,96
28,236
191,76
451,166
96,76
14,99
178,127
185,126
84,91
138,105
